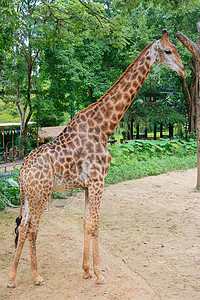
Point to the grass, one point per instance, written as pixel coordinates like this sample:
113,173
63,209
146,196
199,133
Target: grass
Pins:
132,168
139,158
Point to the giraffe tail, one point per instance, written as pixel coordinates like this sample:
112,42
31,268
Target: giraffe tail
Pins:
19,219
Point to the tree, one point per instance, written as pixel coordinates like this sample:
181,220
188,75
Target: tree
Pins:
40,24
63,55
195,50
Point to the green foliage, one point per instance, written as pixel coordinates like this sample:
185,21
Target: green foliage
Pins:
151,148
9,21
9,191
58,195
74,76
173,5
8,112
83,48
141,158
154,113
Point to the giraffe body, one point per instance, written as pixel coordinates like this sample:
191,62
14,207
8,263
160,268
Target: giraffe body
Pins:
78,157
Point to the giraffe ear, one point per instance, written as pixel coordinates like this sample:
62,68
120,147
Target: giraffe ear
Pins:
156,46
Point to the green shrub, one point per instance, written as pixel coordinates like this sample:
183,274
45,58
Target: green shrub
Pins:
9,190
161,147
139,158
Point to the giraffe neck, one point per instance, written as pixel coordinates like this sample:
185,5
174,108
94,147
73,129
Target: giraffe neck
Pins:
102,117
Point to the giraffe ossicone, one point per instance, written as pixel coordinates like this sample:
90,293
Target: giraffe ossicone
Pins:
78,157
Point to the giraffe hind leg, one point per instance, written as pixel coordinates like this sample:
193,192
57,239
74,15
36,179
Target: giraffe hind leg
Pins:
22,235
32,236
35,213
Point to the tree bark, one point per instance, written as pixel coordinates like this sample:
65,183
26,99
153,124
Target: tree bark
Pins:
189,44
189,98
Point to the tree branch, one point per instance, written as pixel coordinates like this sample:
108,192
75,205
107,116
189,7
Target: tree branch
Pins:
51,12
36,55
29,115
198,26
19,109
98,16
190,45
94,13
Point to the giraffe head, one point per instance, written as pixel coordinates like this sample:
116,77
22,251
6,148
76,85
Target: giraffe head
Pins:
167,54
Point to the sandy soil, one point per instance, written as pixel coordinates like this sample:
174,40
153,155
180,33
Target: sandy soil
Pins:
149,244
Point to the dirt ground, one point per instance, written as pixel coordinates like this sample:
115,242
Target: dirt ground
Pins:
149,244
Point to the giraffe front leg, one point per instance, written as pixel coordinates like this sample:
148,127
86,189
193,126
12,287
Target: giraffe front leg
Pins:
91,229
87,236
95,249
32,236
86,254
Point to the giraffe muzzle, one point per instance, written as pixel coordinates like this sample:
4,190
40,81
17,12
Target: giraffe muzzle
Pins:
182,73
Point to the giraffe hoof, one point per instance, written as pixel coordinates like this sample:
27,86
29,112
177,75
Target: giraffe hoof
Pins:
100,281
39,281
11,284
87,276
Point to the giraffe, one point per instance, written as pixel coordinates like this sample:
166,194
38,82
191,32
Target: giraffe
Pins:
78,158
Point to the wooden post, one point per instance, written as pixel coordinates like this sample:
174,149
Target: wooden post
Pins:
198,110
195,50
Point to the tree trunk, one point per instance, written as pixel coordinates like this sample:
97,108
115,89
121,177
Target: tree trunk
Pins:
161,130
131,130
138,131
154,133
24,116
145,132
189,99
195,50
171,129
90,92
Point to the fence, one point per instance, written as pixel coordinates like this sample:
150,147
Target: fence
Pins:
9,167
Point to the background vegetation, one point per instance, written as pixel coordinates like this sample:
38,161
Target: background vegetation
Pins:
136,159
59,56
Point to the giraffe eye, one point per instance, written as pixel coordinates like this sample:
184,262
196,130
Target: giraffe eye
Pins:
168,51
